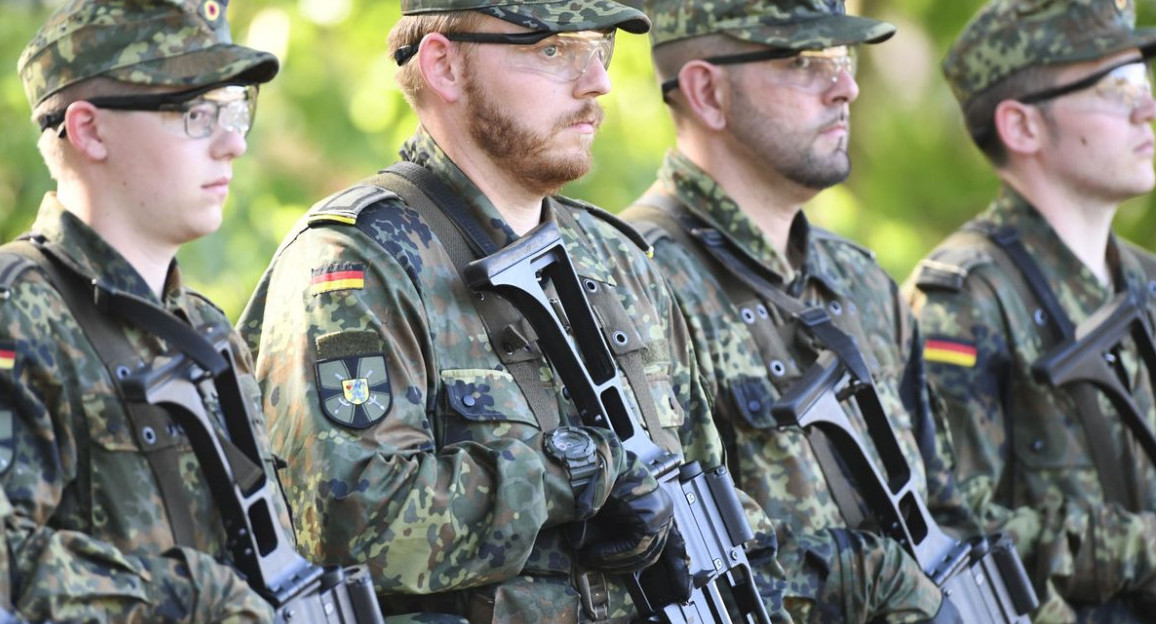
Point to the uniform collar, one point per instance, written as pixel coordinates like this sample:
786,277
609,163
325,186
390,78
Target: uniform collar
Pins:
1055,259
423,150
92,255
708,201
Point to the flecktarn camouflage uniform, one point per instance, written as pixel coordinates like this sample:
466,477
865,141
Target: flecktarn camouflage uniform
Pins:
831,576
411,447
1023,459
90,539
1022,456
777,466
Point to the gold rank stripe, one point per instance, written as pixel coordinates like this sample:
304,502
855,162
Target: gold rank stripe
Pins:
949,352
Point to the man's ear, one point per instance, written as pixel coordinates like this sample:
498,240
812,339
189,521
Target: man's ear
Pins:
706,90
83,130
442,66
1020,126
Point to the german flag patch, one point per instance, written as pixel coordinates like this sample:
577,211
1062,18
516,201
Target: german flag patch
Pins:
946,351
346,276
7,355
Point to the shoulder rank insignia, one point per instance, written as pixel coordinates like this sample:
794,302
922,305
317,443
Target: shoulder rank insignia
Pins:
354,391
343,276
947,351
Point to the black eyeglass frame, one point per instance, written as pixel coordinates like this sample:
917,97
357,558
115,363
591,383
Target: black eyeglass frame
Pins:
769,54
171,101
406,52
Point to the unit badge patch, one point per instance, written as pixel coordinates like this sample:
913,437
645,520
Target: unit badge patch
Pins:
354,391
7,440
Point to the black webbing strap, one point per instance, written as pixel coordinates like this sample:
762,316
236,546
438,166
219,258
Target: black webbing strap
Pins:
1034,286
469,230
119,359
154,321
814,319
465,241
612,314
690,228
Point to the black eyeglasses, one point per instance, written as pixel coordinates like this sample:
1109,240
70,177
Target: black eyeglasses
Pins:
233,107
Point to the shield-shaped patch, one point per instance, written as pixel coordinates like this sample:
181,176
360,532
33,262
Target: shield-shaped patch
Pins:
354,391
7,440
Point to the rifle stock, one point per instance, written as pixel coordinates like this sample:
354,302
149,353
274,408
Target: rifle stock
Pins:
983,577
707,511
298,590
1090,356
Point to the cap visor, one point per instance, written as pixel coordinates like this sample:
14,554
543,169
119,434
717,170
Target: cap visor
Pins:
218,64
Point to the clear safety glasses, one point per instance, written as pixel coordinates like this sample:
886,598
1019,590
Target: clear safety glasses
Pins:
1120,88
566,55
813,71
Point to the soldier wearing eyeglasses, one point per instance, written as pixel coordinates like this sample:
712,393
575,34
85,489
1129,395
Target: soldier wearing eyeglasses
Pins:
1057,95
427,435
143,106
760,95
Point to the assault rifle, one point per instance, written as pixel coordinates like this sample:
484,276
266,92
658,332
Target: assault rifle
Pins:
1091,356
982,577
707,511
298,590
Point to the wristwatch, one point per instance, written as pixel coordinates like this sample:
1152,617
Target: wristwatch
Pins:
575,449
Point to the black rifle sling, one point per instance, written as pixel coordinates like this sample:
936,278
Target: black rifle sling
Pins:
150,423
693,234
121,360
1034,287
464,241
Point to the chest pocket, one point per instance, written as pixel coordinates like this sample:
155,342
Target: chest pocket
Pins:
168,478
482,404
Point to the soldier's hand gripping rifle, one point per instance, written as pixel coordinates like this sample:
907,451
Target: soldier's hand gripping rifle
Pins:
707,511
983,577
1092,354
298,590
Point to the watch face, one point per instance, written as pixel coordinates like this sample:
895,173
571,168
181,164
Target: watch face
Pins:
571,443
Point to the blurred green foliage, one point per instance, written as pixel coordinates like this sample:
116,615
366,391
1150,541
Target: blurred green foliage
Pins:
334,116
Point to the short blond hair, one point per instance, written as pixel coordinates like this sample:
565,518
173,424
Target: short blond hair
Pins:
411,29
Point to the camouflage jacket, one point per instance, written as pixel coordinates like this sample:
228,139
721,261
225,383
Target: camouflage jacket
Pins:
776,465
411,447
90,538
1033,473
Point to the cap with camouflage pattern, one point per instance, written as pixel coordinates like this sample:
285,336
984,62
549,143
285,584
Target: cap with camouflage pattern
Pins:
149,42
1009,35
787,24
546,15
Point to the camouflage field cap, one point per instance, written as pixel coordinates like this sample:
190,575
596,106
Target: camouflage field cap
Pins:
1009,35
547,15
149,42
787,24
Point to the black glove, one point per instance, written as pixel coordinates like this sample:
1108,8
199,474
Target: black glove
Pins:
629,532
